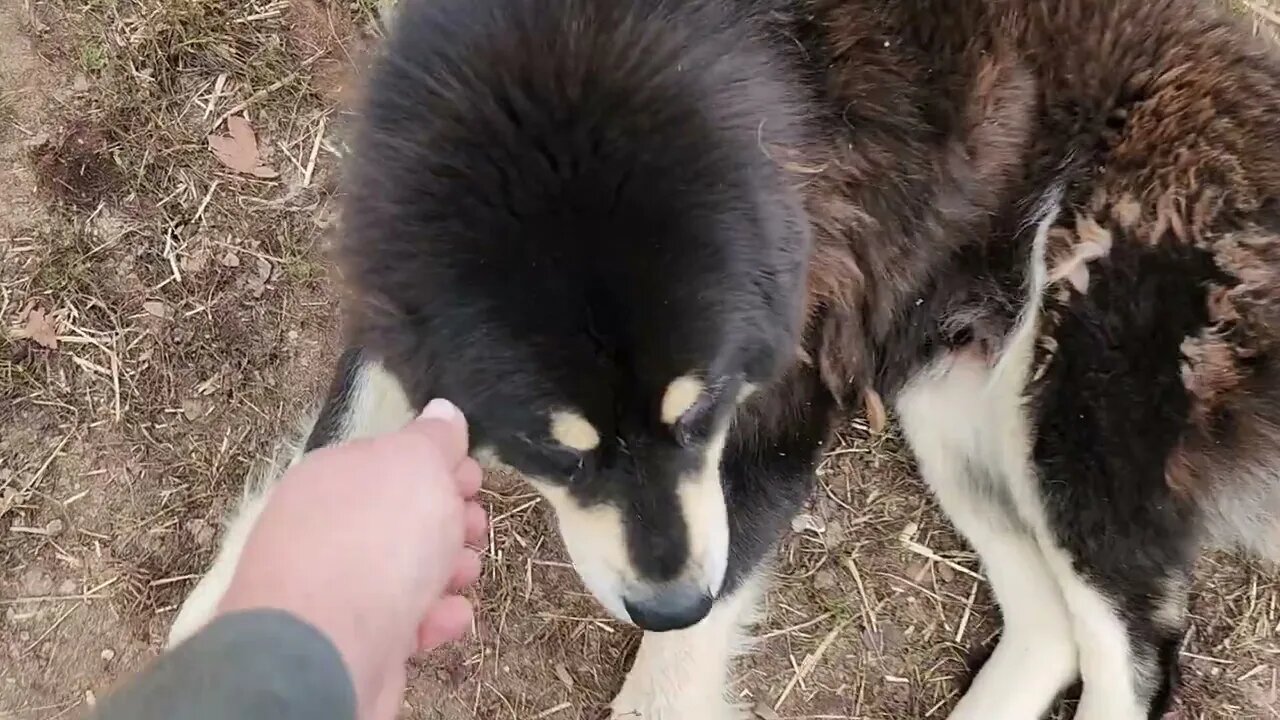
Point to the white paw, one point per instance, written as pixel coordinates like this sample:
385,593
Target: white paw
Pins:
1021,679
678,703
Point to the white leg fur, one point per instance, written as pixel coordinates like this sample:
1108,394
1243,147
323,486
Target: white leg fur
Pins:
203,600
1036,656
683,675
376,404
966,423
1107,665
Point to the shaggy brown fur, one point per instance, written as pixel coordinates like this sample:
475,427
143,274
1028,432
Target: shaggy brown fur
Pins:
1165,116
1156,380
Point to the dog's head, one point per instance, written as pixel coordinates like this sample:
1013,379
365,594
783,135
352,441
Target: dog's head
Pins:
563,217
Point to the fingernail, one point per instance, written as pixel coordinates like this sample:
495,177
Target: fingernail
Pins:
441,409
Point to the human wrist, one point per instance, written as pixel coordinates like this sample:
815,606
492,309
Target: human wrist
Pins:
366,650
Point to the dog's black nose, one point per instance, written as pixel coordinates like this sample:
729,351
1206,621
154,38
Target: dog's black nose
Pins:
674,608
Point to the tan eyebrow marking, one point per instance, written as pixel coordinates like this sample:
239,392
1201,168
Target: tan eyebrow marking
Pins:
573,431
679,396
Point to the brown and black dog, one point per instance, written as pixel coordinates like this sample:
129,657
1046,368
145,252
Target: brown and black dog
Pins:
654,248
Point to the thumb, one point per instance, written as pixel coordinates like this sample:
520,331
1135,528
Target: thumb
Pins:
442,424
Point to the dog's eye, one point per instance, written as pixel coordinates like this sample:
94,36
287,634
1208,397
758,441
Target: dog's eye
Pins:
569,465
694,427
577,474
547,459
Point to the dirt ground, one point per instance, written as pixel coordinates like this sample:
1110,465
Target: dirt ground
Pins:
166,311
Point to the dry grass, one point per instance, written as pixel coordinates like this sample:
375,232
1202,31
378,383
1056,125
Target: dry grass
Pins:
193,315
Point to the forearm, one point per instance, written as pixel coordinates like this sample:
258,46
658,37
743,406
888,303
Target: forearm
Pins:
249,665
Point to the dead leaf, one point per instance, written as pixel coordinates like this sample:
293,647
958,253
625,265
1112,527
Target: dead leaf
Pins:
562,672
8,499
877,416
239,151
195,261
258,284
37,141
157,308
764,712
201,531
192,408
834,535
806,521
39,328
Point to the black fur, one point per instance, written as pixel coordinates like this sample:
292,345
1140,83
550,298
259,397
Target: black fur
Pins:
568,203
328,426
1113,409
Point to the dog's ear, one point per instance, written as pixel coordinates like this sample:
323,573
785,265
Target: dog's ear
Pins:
781,280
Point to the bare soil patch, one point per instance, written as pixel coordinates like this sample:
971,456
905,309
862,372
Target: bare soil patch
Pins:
192,318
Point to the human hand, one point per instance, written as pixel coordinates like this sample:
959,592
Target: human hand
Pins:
367,541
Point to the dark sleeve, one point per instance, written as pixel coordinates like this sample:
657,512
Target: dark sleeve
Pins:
249,665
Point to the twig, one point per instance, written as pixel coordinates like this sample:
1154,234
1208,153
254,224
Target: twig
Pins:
809,662
315,151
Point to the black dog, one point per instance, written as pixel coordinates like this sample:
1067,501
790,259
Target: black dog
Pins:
653,247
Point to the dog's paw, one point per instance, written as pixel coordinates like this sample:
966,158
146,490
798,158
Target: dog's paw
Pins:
676,701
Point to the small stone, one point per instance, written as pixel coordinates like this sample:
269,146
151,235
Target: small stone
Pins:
90,699
157,308
108,655
54,527
231,259
824,579
36,582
